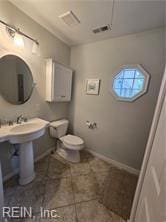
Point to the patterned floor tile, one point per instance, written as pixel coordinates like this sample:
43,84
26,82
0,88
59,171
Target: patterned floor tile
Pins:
58,169
58,157
85,187
93,211
85,156
58,193
63,214
119,192
98,165
35,218
101,179
76,191
78,169
10,187
30,195
41,167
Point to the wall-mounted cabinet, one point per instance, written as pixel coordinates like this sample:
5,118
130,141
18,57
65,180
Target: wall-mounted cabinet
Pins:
58,82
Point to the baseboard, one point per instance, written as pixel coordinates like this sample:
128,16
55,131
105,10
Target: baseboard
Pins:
107,159
16,171
44,154
115,163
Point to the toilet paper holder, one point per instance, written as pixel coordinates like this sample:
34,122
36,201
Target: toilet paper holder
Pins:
91,125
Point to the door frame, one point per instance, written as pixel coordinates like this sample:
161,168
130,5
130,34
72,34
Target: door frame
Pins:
149,145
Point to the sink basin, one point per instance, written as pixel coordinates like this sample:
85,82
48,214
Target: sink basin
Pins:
26,132
26,128
23,135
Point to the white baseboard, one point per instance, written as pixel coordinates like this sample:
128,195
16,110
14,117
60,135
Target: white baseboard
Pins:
44,154
115,163
15,172
107,159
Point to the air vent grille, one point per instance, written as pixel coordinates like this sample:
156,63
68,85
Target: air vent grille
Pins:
102,29
70,18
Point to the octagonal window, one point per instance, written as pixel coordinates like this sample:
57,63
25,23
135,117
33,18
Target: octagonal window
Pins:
130,82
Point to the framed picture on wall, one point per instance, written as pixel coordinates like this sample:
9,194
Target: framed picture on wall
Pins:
92,86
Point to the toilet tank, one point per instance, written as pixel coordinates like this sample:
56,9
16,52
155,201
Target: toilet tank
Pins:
59,128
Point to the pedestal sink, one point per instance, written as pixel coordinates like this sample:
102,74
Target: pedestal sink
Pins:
23,135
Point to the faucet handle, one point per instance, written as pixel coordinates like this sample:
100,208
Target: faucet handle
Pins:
21,118
10,123
25,119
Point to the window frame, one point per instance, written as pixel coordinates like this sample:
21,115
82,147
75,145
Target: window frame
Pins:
138,95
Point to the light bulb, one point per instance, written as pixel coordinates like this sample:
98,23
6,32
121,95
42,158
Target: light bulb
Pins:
18,40
35,49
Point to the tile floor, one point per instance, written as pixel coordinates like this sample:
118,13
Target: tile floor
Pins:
72,189
118,192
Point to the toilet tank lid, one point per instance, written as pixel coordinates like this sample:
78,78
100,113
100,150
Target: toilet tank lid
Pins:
59,123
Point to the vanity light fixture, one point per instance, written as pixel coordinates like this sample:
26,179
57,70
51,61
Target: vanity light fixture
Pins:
35,49
18,40
18,35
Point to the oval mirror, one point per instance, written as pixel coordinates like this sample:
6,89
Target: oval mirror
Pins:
16,81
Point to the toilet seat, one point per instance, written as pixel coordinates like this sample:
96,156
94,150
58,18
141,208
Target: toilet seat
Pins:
72,142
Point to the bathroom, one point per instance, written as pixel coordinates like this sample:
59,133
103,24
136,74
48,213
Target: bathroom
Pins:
100,175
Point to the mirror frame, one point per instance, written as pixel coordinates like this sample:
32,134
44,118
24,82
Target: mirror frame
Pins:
33,83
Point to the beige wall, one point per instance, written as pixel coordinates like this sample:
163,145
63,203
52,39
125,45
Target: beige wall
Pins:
123,127
50,47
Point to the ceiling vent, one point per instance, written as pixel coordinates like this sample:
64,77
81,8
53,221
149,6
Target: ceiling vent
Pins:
102,29
70,18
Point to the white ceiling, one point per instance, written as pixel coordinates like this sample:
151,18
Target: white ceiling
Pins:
130,16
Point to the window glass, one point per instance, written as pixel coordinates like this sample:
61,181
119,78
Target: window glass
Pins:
128,83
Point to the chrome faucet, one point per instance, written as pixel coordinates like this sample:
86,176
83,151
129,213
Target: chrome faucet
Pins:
20,119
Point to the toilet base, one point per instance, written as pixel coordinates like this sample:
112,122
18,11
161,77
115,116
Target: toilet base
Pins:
69,155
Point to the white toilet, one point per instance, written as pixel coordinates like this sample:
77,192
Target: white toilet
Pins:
68,146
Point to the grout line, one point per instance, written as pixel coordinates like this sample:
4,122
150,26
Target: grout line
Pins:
45,177
73,194
67,205
86,201
72,204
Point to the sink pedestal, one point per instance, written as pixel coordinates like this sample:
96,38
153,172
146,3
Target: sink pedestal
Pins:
23,135
27,173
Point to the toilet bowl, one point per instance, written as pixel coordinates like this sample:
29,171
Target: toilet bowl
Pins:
68,146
